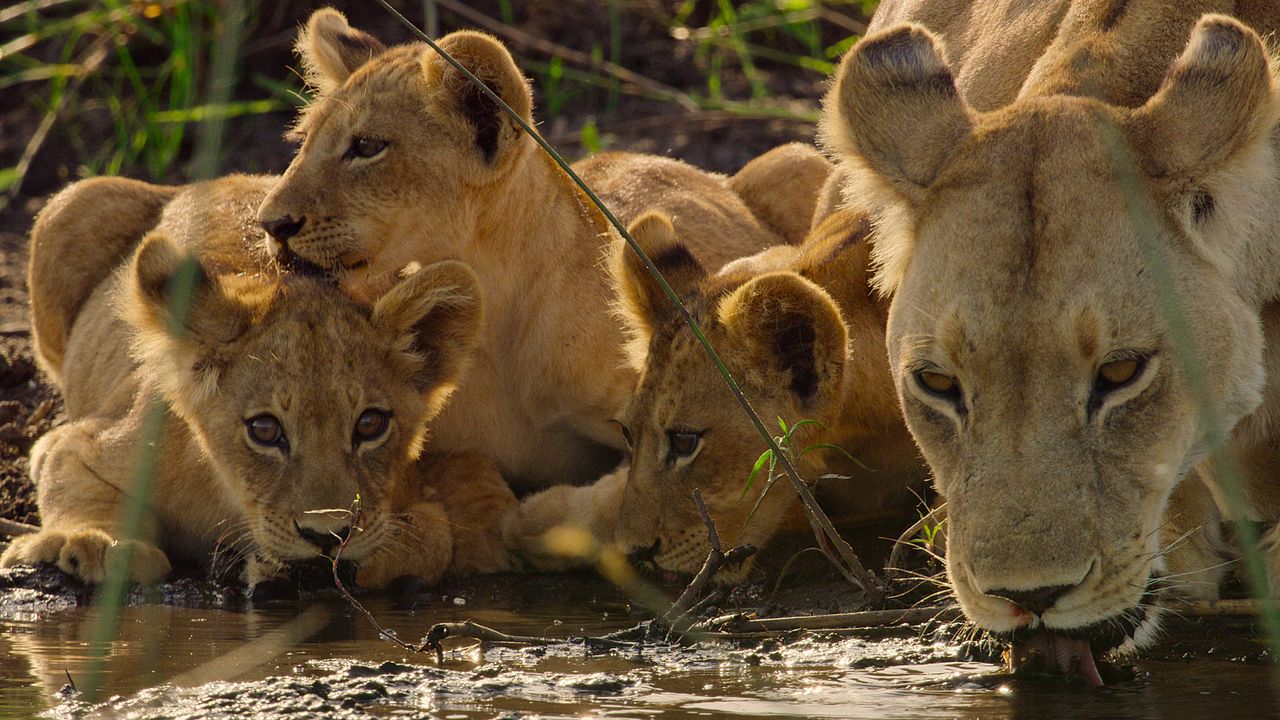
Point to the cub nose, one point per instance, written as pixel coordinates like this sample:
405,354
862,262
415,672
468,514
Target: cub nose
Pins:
325,540
283,228
1035,601
644,554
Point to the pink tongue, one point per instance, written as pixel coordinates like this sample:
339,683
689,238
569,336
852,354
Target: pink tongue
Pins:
1048,651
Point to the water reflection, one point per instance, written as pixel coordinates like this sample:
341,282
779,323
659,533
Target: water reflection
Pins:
814,678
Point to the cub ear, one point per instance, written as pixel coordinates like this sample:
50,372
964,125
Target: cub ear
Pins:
435,315
643,303
186,320
176,296
495,135
1217,102
791,335
331,49
894,109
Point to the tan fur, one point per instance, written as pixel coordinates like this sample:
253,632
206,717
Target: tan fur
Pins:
1025,246
803,334
255,342
459,179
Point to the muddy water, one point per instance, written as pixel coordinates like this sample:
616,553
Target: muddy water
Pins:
317,658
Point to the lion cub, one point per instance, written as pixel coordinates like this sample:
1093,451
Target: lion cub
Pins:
803,334
285,400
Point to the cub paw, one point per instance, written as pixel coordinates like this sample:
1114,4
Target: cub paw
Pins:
87,555
36,549
476,553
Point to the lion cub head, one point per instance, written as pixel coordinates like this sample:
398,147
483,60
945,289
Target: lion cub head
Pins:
781,337
395,141
1052,266
299,398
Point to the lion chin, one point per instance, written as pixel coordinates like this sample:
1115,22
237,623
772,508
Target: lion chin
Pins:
1038,208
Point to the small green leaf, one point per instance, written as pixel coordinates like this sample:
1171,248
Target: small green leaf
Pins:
765,456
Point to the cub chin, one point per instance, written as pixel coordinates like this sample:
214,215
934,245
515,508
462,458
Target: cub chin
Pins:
283,401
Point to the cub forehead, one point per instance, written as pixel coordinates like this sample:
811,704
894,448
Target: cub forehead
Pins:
391,82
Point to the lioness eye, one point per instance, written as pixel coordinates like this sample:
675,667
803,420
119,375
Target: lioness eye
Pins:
371,425
1118,373
683,443
935,383
265,429
366,147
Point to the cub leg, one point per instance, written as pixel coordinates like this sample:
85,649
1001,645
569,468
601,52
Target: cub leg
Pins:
80,473
84,232
475,498
423,546
593,508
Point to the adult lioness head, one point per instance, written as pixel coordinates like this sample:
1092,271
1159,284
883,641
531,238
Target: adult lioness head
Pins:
397,140
780,335
1053,265
302,400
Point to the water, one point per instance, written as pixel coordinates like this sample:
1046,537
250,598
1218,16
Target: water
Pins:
319,658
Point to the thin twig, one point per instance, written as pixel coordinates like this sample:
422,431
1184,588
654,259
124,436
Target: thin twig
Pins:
716,560
13,528
739,622
356,513
1214,608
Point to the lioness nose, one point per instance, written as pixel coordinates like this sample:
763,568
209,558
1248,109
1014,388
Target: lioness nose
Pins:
1035,601
283,228
325,540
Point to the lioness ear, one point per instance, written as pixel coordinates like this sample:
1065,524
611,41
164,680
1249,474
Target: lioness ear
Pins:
1217,101
331,49
792,334
895,110
495,135
643,302
435,314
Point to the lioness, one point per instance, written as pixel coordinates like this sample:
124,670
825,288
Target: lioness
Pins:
401,159
1082,303
804,335
284,396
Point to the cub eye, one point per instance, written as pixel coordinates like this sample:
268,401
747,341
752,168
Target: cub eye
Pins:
626,431
683,443
1118,373
366,147
266,430
371,425
938,384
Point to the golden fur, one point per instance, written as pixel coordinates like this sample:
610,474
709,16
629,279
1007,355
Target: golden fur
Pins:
255,343
1029,246
457,179
801,330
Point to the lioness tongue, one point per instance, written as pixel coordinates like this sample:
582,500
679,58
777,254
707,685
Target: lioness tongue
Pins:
1048,651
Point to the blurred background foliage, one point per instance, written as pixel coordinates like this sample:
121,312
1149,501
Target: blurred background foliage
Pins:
173,90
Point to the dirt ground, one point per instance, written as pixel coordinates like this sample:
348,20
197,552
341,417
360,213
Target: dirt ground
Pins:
719,141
